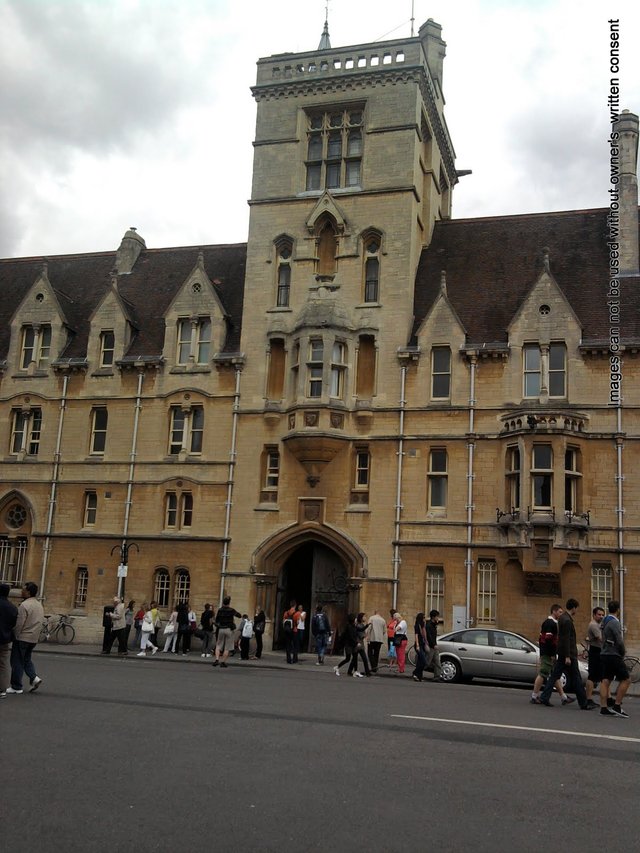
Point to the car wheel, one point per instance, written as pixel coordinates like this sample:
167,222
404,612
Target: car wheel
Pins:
451,670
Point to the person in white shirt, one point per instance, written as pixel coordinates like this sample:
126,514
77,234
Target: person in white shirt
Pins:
376,636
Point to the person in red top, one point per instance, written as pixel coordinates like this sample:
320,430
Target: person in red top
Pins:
391,632
290,631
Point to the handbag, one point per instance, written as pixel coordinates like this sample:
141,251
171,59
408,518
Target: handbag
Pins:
398,639
169,628
147,625
392,653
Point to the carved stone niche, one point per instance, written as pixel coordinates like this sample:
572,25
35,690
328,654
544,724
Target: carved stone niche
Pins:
310,510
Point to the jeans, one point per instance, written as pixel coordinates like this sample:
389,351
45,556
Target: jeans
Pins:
433,657
421,662
5,667
21,663
321,645
207,642
353,666
574,675
258,644
291,647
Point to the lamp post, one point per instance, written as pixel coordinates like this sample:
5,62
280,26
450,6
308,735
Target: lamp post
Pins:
124,563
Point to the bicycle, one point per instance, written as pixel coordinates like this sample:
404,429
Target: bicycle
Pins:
61,631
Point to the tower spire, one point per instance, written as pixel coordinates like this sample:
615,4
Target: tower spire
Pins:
325,42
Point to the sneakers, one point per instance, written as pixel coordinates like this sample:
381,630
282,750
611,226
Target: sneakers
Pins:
617,709
37,681
610,702
567,700
358,675
11,690
154,650
3,695
336,670
535,700
203,655
608,712
141,655
591,704
216,662
415,678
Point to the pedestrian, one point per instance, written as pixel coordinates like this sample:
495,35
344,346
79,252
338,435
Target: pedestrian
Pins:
259,625
289,629
400,640
137,623
567,657
350,642
320,629
548,643
420,645
129,614
118,626
359,652
376,637
147,633
594,641
8,618
246,632
301,625
613,665
433,653
157,622
226,627
26,635
392,657
171,631
206,623
184,629
107,625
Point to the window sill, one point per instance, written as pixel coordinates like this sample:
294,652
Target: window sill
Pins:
359,508
195,368
437,513
266,508
104,371
280,309
368,305
97,458
37,374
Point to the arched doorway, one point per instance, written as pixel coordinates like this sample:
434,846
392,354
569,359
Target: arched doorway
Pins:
313,574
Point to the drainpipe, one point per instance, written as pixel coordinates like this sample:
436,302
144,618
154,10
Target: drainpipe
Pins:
620,509
54,487
396,537
230,482
132,465
470,475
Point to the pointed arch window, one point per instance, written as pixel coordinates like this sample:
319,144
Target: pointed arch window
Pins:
327,248
284,250
372,268
182,586
161,587
82,584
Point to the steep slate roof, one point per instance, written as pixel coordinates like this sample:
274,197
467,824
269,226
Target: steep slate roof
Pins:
80,282
492,263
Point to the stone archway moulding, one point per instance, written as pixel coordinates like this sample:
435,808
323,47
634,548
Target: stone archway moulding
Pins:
270,555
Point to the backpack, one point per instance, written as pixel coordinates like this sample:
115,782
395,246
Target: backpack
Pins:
247,630
319,624
287,625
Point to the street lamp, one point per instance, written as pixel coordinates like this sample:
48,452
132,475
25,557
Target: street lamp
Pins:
124,563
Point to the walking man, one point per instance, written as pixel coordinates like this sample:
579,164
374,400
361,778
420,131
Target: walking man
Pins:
548,642
226,628
433,653
377,636
27,634
594,639
567,657
320,629
8,617
613,665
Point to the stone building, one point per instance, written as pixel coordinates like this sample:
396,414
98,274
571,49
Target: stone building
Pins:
369,404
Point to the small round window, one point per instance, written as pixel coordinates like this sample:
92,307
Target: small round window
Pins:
544,309
16,516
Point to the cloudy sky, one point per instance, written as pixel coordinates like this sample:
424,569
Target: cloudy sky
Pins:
138,112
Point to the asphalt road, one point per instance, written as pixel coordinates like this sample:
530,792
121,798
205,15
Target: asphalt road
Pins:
123,755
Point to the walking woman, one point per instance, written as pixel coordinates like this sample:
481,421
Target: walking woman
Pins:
350,637
137,622
420,644
171,631
147,635
400,641
359,651
392,657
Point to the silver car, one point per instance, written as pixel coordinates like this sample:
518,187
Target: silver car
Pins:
490,653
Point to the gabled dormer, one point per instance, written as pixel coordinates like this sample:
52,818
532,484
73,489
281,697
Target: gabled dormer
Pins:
39,330
111,330
195,323
440,337
544,336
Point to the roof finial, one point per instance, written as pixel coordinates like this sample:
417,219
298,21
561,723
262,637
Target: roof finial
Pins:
545,259
325,43
443,282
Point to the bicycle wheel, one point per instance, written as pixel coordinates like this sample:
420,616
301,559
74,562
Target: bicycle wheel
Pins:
633,665
65,634
411,655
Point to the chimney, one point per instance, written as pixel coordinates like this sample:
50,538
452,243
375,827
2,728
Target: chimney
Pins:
130,248
434,48
627,128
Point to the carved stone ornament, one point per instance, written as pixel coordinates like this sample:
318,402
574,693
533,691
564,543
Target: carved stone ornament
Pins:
311,419
312,510
337,420
292,421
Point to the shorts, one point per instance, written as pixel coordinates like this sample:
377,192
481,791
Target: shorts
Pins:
546,665
225,640
613,666
595,665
